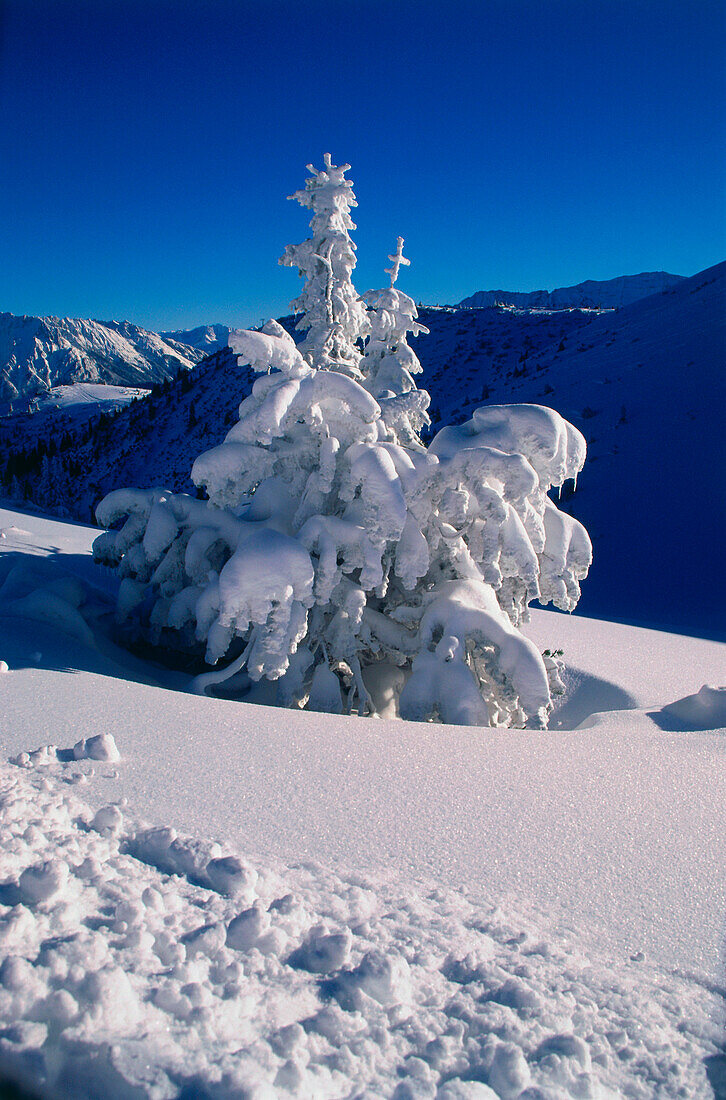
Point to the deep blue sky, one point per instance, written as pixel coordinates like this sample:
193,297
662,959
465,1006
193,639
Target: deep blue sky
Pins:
147,148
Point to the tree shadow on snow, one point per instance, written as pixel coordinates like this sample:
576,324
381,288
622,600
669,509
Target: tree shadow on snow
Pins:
28,644
9,1090
716,1073
715,1064
586,695
53,562
704,710
56,636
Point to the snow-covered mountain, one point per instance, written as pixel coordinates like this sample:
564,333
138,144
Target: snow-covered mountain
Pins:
608,294
205,338
37,353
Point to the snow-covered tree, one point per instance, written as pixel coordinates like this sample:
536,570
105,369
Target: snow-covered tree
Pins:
332,313
47,488
338,564
389,363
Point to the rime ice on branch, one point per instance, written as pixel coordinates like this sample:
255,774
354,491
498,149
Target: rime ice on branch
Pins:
339,564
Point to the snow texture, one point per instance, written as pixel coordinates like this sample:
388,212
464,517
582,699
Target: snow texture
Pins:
126,972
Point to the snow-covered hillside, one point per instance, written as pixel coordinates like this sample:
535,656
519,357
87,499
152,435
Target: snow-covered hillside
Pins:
75,403
37,353
646,385
159,438
592,294
153,441
323,907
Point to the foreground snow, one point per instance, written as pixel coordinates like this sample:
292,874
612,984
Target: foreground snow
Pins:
139,960
351,907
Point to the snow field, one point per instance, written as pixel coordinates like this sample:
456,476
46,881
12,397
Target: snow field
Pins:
136,962
529,914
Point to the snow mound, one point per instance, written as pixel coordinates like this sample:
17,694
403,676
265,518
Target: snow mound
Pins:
125,972
704,710
585,695
102,746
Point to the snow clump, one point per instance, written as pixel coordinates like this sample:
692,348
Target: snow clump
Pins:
100,747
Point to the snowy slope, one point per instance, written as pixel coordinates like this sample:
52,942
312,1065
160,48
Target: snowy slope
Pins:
646,385
37,353
157,440
102,396
352,907
607,294
153,441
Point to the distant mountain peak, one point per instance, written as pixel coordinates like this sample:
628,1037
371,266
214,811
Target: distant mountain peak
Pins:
606,294
206,338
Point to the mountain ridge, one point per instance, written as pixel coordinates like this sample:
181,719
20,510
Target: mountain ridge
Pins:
591,294
206,338
38,353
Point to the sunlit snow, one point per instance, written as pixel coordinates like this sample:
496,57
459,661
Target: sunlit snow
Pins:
255,902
